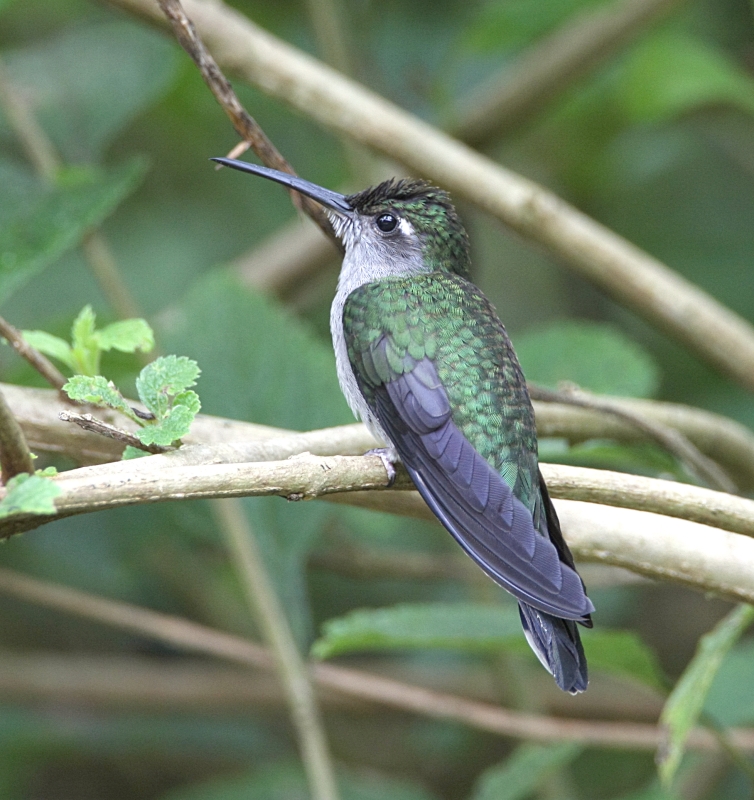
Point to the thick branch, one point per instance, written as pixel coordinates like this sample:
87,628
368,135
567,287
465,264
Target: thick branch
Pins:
631,276
193,637
727,442
707,558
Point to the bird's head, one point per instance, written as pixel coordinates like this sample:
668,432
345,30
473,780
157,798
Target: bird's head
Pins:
407,223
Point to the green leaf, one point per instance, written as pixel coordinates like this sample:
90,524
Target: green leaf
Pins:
622,653
596,357
457,626
524,771
90,80
173,426
97,390
131,453
29,494
287,782
686,701
163,379
730,700
515,23
671,73
56,219
127,336
85,347
50,345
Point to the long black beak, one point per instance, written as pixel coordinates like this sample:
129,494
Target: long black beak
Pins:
330,199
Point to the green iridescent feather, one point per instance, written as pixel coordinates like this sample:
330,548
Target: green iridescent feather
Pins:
443,317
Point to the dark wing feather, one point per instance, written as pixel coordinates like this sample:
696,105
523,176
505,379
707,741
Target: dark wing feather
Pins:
471,499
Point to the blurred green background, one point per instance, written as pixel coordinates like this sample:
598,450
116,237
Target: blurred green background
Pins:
657,143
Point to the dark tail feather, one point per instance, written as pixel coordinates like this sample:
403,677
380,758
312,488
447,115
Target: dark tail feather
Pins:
557,645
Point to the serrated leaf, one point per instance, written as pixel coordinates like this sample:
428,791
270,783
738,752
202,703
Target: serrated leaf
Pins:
131,453
686,701
29,494
164,378
56,220
173,426
97,390
50,345
524,771
594,356
127,336
672,73
622,653
458,626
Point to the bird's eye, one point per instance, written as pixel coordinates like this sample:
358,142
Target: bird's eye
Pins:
387,222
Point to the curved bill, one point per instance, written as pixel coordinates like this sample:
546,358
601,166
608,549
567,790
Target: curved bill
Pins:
330,199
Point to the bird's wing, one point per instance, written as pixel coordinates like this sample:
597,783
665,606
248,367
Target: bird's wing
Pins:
402,355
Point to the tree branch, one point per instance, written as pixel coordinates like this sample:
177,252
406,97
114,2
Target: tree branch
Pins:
629,275
724,440
193,637
41,363
15,457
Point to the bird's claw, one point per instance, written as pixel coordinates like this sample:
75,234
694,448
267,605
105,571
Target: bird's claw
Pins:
388,458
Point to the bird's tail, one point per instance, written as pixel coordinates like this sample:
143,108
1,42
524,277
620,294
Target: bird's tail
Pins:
557,645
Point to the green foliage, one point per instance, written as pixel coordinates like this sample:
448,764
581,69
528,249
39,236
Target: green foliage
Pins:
730,700
88,343
515,23
98,391
162,387
476,628
459,626
671,74
48,221
29,494
596,357
287,782
128,67
524,771
623,654
687,699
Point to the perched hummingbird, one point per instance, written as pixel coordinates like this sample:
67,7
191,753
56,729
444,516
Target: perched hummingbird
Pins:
425,362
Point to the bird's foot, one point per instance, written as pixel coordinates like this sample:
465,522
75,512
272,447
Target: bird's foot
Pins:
389,459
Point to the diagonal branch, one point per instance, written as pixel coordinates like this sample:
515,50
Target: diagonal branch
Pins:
629,275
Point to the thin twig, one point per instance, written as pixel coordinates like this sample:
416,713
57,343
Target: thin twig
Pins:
193,637
511,96
41,363
701,467
90,423
14,452
243,122
626,273
276,631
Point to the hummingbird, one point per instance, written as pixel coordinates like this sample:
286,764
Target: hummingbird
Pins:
424,361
